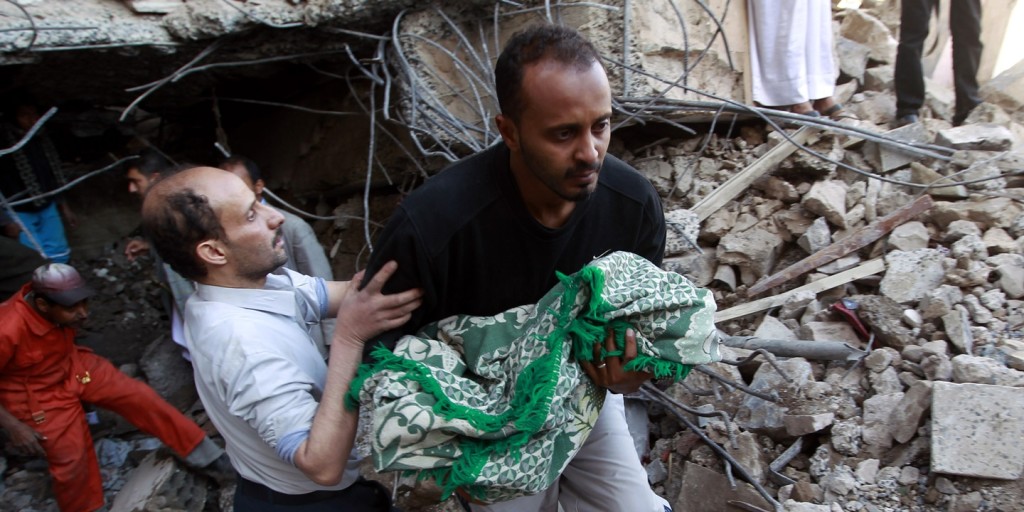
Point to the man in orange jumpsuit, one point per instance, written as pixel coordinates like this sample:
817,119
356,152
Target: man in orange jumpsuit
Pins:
45,377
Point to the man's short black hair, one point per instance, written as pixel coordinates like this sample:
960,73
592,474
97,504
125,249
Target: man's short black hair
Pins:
150,161
247,163
562,44
178,225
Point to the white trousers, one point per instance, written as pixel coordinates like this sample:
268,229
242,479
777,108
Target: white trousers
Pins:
791,51
605,475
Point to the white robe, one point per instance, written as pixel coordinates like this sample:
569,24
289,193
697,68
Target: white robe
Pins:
791,51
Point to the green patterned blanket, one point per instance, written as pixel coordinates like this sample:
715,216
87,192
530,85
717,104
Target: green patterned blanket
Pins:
498,405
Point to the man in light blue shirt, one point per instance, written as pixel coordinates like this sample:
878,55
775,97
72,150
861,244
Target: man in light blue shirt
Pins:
258,371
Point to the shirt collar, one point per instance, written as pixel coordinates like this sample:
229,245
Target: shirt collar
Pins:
275,297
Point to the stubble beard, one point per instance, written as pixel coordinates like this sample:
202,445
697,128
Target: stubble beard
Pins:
554,184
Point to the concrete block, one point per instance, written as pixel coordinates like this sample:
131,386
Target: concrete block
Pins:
877,411
906,416
985,137
802,424
977,430
910,275
827,198
909,237
755,249
160,484
860,26
705,490
830,331
772,328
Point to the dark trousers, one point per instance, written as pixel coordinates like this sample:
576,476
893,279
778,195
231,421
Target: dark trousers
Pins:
361,496
965,27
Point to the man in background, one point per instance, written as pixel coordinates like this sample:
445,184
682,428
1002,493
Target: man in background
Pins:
141,174
45,377
965,27
32,172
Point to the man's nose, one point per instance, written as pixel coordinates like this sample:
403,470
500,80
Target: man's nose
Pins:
587,149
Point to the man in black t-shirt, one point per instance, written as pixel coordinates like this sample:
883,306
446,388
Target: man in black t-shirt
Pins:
488,234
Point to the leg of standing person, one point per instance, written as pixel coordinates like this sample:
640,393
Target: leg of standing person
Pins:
965,27
777,59
77,485
48,230
607,474
139,404
909,72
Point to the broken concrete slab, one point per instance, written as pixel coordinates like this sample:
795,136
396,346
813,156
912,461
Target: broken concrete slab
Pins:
923,175
868,30
959,229
879,78
817,236
968,369
906,416
1011,280
160,483
827,198
877,410
762,416
998,241
704,490
1007,90
852,58
909,237
991,212
887,158
939,301
985,137
755,249
830,331
910,275
683,230
802,424
976,430
772,328
957,324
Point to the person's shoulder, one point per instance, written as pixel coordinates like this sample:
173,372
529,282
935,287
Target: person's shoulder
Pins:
448,199
623,179
468,179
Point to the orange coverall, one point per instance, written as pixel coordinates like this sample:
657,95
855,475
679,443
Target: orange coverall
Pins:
45,377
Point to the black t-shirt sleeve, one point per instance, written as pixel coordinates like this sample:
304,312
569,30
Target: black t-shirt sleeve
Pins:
400,242
651,243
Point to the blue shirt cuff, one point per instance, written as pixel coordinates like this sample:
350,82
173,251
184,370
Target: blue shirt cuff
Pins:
289,444
321,295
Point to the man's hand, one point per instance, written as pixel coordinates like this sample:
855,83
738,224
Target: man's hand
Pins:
11,230
363,314
24,439
136,247
608,373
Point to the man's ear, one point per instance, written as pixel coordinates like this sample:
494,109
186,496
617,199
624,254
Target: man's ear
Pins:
509,131
212,253
258,188
42,305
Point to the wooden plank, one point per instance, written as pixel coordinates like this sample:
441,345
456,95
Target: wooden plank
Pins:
863,270
859,238
742,180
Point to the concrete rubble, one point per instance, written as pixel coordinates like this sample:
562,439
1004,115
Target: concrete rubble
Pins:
930,420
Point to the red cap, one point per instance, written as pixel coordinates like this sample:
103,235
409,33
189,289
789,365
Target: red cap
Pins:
60,283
